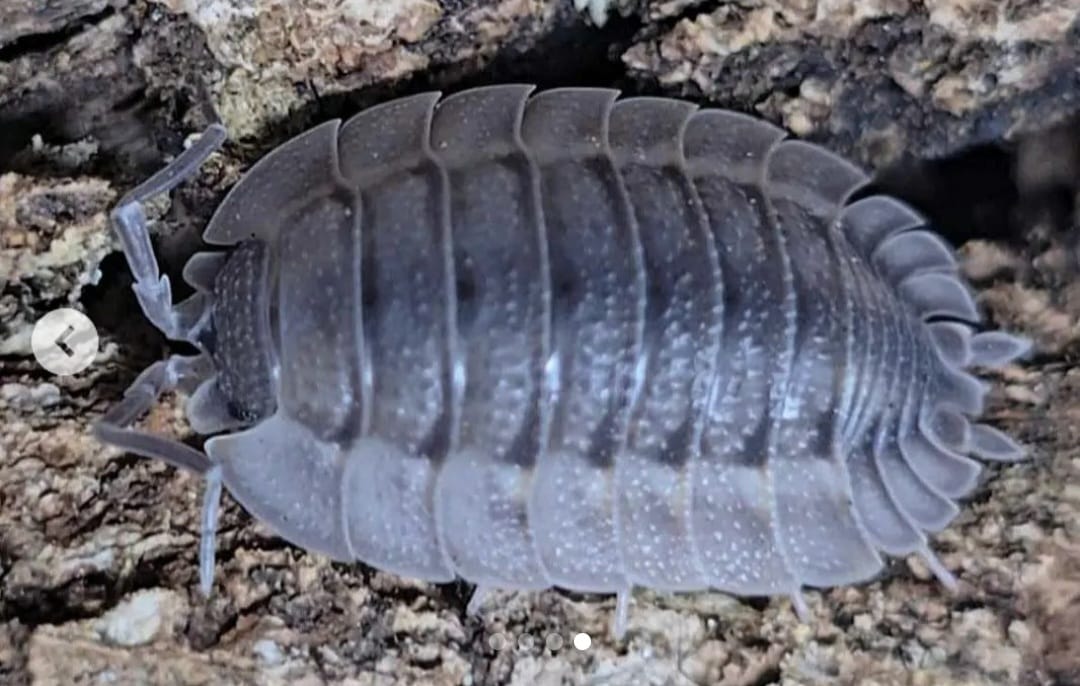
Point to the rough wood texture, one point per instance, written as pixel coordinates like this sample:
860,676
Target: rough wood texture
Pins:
97,551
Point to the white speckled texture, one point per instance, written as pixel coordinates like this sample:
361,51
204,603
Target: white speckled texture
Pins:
98,569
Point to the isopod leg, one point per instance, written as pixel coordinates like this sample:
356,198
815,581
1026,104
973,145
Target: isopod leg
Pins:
802,610
479,595
129,221
939,570
208,533
622,614
114,428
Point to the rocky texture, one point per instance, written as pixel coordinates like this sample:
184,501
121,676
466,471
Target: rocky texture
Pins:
53,240
97,550
272,56
878,78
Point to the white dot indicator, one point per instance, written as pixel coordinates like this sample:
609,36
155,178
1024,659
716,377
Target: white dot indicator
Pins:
582,641
64,341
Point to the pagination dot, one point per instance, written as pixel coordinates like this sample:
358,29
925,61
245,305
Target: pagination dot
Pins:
582,641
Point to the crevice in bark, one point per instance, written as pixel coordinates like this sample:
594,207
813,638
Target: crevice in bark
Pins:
42,42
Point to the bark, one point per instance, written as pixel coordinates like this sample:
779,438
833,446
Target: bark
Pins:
968,108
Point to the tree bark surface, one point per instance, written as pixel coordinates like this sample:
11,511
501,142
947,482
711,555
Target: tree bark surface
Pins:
968,108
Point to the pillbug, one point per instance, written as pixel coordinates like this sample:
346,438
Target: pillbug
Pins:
570,339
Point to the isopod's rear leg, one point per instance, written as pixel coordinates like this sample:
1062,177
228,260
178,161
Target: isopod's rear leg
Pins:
114,428
129,221
622,614
798,604
480,594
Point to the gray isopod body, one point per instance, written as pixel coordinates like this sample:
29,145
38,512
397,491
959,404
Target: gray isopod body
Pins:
566,339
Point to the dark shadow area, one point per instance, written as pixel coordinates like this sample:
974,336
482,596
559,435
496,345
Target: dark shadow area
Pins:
571,54
996,191
106,100
967,195
45,118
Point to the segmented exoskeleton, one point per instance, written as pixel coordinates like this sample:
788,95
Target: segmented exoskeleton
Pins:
569,340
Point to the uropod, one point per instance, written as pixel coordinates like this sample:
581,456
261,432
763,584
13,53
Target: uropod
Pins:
570,339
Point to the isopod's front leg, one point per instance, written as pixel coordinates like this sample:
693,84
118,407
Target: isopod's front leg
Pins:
129,221
208,529
114,428
155,298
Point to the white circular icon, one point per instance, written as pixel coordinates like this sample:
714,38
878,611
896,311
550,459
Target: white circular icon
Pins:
582,641
64,341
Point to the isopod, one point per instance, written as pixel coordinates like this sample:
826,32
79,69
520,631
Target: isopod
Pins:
571,339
